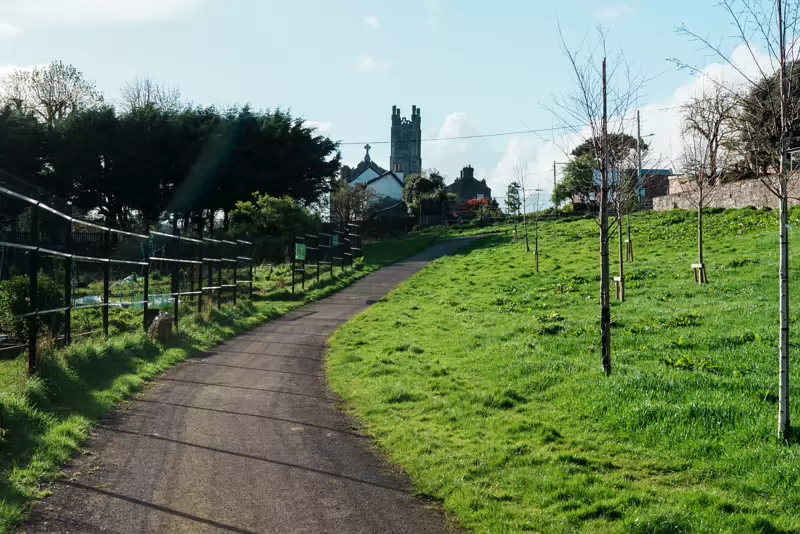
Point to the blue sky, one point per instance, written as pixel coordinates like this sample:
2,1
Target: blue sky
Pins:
472,66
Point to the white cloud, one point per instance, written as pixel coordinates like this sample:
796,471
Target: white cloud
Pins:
371,65
451,155
611,13
371,22
8,30
661,118
322,127
26,13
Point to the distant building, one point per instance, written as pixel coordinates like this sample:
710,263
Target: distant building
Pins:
406,158
406,141
467,187
655,183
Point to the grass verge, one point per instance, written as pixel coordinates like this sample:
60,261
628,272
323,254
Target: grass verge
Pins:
45,420
483,380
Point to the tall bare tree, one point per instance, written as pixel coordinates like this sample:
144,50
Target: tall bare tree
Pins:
602,99
768,31
521,177
707,129
51,92
537,204
143,92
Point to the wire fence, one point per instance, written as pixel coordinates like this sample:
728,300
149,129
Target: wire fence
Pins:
65,277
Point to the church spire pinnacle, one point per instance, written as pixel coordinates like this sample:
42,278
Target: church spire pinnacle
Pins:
366,157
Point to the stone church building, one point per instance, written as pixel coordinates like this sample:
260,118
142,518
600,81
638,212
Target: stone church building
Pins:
406,158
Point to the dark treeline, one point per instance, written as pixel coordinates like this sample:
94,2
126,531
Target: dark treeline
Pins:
150,156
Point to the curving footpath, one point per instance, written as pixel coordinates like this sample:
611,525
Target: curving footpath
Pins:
245,438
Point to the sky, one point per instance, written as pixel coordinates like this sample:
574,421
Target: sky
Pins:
473,67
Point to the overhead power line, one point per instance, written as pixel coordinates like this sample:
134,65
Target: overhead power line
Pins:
571,127
476,136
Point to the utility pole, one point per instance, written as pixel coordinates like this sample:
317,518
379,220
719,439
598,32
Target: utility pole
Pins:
555,203
639,183
638,152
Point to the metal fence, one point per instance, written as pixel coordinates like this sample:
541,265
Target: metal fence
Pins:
325,250
66,277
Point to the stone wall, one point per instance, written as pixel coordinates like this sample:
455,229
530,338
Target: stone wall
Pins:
733,195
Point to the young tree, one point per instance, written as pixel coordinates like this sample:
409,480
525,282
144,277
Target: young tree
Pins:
513,204
768,27
537,203
592,103
707,128
521,177
52,92
577,181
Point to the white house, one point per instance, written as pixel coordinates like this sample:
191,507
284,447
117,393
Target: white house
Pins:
385,183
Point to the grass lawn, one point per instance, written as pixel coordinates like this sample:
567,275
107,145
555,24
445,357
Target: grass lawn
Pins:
483,380
45,420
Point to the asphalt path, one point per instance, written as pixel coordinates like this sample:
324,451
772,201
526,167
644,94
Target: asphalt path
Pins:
245,438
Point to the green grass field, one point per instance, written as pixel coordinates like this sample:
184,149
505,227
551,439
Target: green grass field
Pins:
45,420
483,380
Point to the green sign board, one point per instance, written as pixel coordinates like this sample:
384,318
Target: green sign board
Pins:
335,240
300,252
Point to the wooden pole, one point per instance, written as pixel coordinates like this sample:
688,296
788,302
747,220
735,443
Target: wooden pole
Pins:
784,423
33,293
605,297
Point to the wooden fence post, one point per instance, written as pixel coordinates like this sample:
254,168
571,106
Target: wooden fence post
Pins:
200,271
250,268
235,269
175,283
146,305
68,287
219,276
33,274
294,244
106,277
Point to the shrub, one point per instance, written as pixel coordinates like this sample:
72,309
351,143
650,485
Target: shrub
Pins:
14,301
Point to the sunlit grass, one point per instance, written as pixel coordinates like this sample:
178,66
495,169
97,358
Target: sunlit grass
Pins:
483,380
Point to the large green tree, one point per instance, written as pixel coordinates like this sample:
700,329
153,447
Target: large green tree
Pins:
157,156
577,181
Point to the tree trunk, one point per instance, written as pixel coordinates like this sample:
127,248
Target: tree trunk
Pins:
525,227
226,220
784,424
621,253
605,296
700,234
536,243
210,221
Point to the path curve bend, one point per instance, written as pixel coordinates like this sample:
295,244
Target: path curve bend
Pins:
245,438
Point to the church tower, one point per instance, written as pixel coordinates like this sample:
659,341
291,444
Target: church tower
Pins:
406,142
